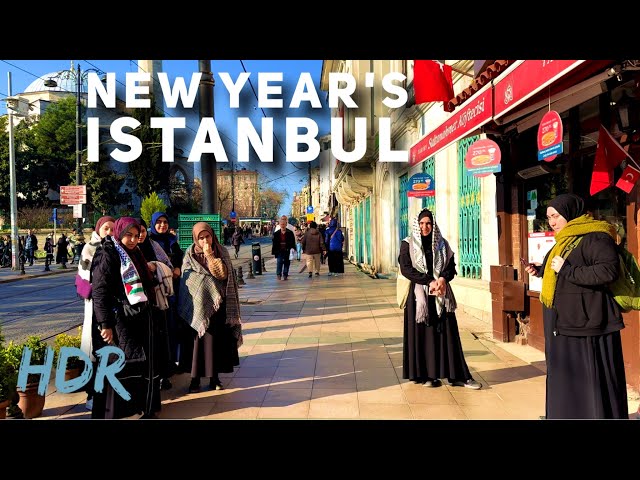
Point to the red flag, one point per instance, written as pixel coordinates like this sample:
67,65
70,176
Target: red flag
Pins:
628,179
432,81
609,155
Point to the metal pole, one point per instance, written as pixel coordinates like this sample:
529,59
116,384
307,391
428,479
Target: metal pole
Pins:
208,161
13,188
78,137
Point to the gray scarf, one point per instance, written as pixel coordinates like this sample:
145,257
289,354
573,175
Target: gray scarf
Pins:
442,255
201,295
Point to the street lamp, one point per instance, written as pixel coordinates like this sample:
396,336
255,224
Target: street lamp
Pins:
79,77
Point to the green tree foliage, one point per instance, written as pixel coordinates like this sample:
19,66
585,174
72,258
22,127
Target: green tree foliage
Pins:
148,171
54,143
103,186
271,201
151,204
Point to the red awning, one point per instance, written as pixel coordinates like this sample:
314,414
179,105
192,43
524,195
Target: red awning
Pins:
472,115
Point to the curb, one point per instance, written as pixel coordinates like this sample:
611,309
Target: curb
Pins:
37,275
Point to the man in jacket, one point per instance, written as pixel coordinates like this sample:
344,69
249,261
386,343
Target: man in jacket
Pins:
313,246
283,242
31,245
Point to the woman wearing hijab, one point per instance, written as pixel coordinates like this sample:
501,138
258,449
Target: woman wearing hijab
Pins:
104,227
153,253
159,232
122,292
582,321
431,347
209,303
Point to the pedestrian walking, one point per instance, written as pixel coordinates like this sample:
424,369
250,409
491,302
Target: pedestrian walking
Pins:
283,242
299,236
313,247
30,247
335,243
236,240
48,249
61,251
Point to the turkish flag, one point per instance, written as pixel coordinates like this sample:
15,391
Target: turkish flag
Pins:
432,81
628,179
609,155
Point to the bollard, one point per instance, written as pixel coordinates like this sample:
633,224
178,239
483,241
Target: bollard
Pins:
239,277
263,267
250,273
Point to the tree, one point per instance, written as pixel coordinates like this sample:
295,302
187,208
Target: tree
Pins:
151,204
271,201
103,186
148,171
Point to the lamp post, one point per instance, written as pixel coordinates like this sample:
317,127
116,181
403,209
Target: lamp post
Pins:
79,77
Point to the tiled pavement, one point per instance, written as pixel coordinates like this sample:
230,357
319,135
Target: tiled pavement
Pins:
331,348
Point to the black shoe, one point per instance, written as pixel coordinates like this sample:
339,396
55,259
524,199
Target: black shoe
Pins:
215,384
317,274
165,384
279,277
194,386
310,274
471,383
433,383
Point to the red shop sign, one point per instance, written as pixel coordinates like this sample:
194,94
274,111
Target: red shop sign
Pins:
474,113
550,136
527,79
483,158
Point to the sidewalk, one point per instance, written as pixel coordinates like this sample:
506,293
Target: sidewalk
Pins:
331,348
37,270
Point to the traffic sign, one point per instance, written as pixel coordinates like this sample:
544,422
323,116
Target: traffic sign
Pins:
73,194
309,209
232,214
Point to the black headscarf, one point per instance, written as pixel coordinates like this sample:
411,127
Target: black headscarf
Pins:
568,205
145,247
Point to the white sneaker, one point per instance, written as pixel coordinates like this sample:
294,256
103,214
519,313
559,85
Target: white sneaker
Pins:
89,404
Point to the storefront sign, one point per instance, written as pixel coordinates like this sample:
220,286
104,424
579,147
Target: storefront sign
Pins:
550,136
539,244
421,185
483,158
526,79
472,115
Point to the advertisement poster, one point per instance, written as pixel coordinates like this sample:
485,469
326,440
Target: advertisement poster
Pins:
483,158
539,243
550,136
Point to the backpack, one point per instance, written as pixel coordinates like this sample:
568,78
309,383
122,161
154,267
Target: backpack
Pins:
626,288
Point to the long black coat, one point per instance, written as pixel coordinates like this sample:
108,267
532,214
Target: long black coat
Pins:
434,350
582,300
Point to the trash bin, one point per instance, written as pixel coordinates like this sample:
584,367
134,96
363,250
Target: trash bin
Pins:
256,256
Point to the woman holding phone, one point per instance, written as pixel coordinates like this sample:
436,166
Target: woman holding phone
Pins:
431,345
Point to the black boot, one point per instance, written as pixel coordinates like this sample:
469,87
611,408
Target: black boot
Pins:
215,384
194,386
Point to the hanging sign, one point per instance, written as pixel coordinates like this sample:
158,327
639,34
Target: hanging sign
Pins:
550,136
483,158
421,185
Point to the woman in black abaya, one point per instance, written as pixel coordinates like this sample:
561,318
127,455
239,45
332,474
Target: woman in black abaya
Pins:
431,347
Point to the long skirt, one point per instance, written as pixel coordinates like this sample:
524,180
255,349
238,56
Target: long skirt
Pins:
336,263
585,375
432,351
213,353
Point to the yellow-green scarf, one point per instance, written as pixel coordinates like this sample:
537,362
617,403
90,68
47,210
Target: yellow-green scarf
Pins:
564,238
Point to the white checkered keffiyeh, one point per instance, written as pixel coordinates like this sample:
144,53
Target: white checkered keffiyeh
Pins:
130,277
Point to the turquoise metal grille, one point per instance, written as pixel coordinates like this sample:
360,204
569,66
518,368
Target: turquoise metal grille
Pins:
403,226
429,166
358,230
469,247
367,230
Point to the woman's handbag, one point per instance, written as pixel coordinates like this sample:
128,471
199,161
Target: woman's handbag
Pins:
83,287
403,285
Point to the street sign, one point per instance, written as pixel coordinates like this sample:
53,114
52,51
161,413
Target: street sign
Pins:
309,209
73,194
233,214
77,211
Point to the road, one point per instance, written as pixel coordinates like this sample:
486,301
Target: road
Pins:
47,306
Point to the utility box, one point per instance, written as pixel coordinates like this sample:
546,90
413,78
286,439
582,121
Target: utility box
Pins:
186,221
256,259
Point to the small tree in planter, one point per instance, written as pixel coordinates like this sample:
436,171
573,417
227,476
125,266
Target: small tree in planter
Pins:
8,379
30,402
74,364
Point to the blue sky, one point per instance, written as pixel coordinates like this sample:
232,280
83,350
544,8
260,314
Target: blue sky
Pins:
279,175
